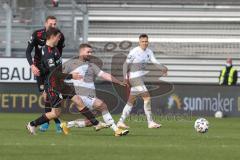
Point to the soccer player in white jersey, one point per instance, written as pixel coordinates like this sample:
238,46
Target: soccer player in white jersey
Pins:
85,87
133,70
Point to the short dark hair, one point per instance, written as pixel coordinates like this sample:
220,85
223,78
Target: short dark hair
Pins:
50,17
52,31
84,45
143,36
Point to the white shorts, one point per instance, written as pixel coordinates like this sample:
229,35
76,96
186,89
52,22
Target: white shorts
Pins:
88,101
138,90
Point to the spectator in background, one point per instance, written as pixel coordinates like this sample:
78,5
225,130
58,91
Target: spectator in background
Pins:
228,75
55,3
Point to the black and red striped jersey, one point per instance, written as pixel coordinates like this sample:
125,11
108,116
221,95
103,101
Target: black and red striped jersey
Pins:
51,67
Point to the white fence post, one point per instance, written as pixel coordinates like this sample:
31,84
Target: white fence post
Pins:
85,23
8,29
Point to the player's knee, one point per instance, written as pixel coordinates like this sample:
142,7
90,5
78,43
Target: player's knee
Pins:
102,106
146,98
56,113
80,106
99,105
53,114
131,101
78,101
147,102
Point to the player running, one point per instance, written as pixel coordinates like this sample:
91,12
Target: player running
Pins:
133,71
38,39
51,68
85,87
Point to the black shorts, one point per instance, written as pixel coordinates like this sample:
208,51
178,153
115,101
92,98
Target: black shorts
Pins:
40,83
56,96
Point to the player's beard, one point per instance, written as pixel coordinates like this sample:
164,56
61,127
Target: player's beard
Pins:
86,58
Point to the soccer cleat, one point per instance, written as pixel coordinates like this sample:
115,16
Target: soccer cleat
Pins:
58,128
121,132
154,125
64,128
122,125
44,127
31,129
101,125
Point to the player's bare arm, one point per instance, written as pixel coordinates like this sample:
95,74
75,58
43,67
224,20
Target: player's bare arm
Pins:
109,77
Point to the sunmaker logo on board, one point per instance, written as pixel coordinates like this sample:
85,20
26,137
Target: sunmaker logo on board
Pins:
201,103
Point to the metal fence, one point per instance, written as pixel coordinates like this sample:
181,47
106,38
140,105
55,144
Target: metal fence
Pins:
174,30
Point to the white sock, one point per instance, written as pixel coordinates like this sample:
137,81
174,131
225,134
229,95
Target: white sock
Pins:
126,112
77,123
109,120
148,110
70,124
80,123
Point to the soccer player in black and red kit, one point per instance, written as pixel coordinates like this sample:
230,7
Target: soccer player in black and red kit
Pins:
54,86
38,39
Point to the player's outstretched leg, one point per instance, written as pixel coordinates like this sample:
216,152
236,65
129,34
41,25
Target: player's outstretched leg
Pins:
126,112
101,106
44,127
86,112
83,123
79,123
31,126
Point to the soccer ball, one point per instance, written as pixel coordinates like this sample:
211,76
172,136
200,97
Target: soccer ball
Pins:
201,125
218,114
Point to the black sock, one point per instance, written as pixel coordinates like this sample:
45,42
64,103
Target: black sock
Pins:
42,119
89,115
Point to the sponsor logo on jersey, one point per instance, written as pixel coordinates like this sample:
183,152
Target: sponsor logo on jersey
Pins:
50,62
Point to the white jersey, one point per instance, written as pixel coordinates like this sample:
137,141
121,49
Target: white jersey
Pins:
89,72
137,60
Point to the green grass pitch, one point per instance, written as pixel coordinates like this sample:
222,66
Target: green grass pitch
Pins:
176,140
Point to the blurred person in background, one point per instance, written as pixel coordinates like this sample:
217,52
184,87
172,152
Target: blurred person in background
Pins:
55,3
228,75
